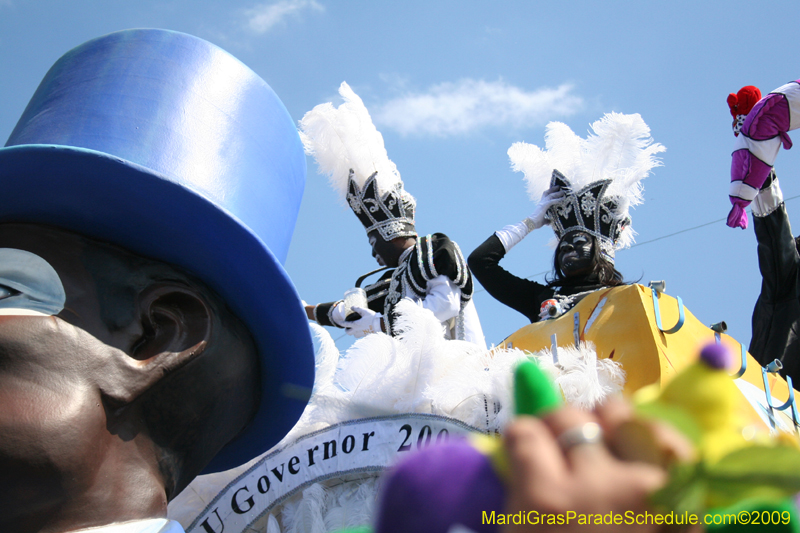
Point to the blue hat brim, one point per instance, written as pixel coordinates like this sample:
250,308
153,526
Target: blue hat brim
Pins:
114,200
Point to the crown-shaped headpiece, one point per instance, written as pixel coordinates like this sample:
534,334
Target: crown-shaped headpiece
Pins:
589,210
601,175
391,214
350,150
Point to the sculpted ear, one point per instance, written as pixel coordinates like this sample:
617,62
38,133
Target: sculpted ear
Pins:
175,326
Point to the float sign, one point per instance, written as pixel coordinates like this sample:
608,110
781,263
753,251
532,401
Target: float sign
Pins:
357,446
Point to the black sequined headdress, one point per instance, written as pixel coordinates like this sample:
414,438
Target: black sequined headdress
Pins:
590,210
391,213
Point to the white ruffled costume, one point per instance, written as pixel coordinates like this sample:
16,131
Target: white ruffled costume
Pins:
417,371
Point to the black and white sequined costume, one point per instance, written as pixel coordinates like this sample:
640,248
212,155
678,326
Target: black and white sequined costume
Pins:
434,273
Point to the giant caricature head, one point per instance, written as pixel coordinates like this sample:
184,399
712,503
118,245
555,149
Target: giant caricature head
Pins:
148,330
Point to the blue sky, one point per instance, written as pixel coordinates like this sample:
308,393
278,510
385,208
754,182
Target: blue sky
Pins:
451,85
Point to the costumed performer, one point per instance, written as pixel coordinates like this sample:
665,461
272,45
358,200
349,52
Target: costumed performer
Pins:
431,269
776,316
593,182
149,331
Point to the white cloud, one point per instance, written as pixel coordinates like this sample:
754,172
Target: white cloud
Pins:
264,17
467,105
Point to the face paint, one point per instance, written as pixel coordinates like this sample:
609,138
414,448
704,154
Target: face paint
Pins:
575,253
372,242
29,285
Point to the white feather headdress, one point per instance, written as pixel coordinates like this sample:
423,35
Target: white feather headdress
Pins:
344,138
619,151
349,149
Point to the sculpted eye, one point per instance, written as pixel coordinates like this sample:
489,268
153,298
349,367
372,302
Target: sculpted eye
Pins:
33,283
6,292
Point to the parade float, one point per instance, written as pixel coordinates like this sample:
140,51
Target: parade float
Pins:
653,337
386,397
389,395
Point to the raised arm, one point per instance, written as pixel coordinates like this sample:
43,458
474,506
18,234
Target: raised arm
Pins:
520,294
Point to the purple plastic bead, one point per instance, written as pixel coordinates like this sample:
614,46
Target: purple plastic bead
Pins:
434,489
715,356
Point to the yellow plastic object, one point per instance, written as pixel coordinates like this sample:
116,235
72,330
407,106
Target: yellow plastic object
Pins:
621,323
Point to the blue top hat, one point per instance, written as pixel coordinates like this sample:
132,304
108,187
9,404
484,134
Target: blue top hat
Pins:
168,146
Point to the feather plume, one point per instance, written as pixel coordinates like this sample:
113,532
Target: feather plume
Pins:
531,161
307,515
584,380
622,150
343,139
272,525
330,506
565,149
325,358
351,504
619,148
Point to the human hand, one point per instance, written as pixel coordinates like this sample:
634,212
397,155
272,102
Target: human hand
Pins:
538,218
642,440
558,468
370,322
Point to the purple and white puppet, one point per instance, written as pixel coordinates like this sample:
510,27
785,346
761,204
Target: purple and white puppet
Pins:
755,150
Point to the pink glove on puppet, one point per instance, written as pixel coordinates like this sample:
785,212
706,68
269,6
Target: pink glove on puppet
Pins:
755,150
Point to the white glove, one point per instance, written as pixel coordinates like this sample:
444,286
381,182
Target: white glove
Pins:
337,315
370,322
512,234
539,217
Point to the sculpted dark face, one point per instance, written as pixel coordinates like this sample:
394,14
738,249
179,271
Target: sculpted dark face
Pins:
50,404
80,363
575,253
